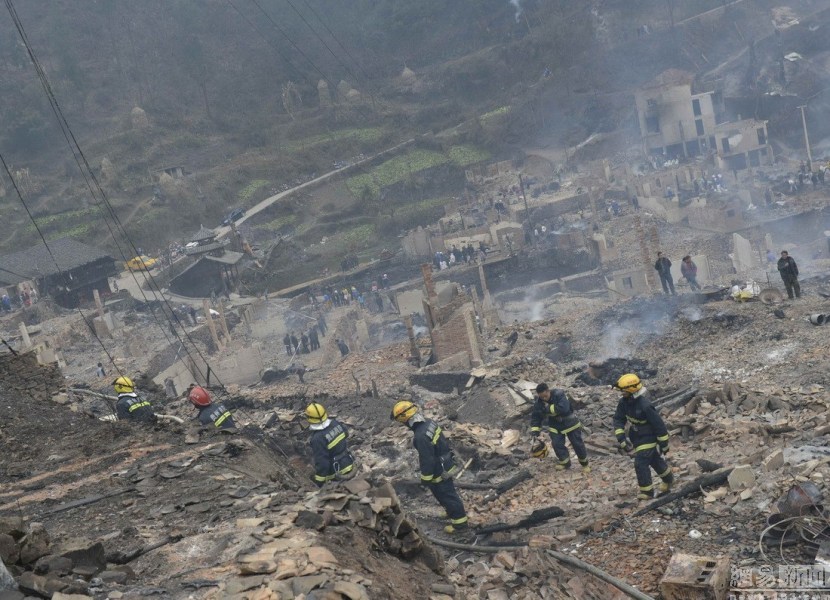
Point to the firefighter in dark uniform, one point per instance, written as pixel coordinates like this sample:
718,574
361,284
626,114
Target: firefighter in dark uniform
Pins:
648,437
437,463
553,409
130,406
329,446
210,413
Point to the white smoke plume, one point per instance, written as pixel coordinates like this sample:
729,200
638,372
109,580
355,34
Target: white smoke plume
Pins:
518,6
622,338
613,343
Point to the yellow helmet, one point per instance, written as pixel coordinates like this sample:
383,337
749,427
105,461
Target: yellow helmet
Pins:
539,449
316,413
123,385
629,383
403,411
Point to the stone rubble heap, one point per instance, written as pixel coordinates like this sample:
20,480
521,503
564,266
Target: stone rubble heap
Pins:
43,570
284,561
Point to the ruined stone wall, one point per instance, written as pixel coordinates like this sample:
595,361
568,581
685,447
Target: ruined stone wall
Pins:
443,313
457,334
21,374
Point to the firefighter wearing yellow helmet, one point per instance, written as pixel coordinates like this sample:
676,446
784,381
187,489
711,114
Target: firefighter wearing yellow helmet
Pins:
329,446
436,462
647,436
130,406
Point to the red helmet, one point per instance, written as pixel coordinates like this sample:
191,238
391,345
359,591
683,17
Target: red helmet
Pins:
199,397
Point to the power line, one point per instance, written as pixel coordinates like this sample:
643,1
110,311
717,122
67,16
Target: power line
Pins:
69,137
308,80
290,41
331,33
322,41
268,40
52,256
15,274
79,156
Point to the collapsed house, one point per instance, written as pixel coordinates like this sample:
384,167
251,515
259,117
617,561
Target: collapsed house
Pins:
68,271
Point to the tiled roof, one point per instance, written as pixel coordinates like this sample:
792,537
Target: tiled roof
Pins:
670,77
203,234
196,250
34,263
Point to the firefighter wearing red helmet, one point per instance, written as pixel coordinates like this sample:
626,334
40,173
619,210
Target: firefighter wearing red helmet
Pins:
210,413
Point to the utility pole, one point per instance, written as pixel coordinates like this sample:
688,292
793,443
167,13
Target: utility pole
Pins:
527,212
806,137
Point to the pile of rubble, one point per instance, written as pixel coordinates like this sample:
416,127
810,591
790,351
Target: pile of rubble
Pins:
45,571
524,574
283,558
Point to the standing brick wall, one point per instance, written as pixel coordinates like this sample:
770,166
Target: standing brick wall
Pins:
457,334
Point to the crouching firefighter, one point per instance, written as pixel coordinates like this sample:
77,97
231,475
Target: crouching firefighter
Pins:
436,460
210,413
130,406
553,408
648,437
332,459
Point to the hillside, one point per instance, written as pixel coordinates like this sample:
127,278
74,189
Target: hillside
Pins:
229,92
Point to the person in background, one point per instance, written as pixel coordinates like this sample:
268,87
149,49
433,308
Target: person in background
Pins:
341,345
663,268
689,270
99,372
789,274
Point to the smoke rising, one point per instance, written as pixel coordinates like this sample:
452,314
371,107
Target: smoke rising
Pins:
691,313
517,5
613,343
622,338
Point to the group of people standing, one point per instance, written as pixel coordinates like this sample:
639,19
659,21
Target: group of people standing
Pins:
26,296
308,342
639,429
807,174
688,270
371,299
458,256
787,268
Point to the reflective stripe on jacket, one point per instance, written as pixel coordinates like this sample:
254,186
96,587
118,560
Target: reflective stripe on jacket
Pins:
434,454
646,428
131,406
217,415
556,414
330,451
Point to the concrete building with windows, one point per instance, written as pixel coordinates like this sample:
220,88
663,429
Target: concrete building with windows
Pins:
678,119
